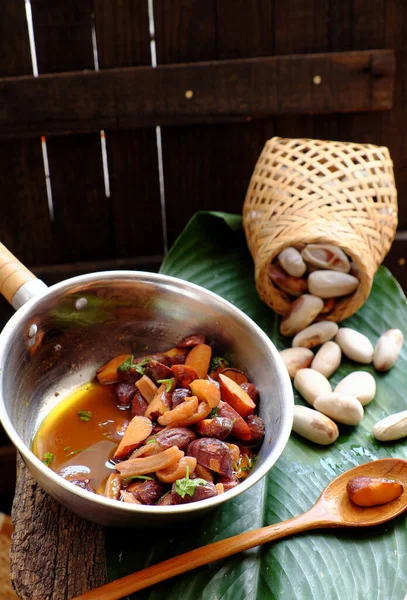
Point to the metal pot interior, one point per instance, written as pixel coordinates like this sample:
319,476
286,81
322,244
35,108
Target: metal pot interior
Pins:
54,343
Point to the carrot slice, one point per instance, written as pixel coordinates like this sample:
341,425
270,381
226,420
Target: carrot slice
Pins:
147,450
137,431
180,412
237,376
147,388
199,358
240,429
232,393
178,470
172,352
112,486
150,464
204,472
108,373
234,451
157,406
202,412
205,391
128,497
219,488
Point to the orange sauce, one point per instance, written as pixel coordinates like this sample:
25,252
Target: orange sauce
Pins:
82,448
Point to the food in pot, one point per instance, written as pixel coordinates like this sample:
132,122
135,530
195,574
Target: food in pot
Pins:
167,428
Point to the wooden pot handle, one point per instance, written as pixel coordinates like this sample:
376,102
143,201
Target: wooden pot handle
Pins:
13,274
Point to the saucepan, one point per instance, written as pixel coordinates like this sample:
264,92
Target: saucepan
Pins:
60,335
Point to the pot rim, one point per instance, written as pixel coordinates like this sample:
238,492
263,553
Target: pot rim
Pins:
179,285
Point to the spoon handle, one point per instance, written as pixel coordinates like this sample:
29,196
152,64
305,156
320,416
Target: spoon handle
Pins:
204,555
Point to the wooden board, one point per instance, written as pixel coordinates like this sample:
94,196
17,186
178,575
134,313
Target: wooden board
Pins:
81,229
218,159
55,554
24,224
196,92
122,33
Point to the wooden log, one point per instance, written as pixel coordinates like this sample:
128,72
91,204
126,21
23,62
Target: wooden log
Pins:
54,554
191,93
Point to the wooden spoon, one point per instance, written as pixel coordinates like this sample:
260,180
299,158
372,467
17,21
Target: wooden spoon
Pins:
332,509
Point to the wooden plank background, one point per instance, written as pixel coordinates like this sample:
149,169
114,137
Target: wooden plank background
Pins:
209,91
132,213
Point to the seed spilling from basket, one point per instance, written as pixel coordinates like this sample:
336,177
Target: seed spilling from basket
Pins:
317,206
319,270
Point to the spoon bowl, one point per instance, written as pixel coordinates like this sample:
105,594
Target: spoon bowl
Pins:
335,502
332,509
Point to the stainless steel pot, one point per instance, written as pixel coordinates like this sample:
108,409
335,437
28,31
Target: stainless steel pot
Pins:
60,335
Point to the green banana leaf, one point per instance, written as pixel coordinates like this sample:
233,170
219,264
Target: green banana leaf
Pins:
366,564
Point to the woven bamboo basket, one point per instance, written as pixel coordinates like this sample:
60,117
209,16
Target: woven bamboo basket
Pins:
306,191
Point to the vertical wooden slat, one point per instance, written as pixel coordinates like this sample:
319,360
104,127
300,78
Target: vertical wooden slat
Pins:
301,26
359,21
245,28
62,35
378,24
394,123
209,166
359,25
24,222
82,227
123,39
186,31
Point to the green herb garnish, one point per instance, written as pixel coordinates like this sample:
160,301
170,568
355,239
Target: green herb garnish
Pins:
128,365
214,412
152,440
47,458
217,362
140,367
251,462
170,383
166,494
75,452
186,485
125,366
85,415
66,448
144,477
